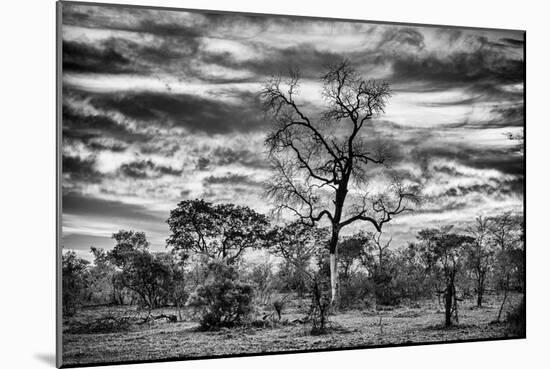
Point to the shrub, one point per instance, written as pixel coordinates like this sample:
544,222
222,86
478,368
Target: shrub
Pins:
222,300
355,291
385,289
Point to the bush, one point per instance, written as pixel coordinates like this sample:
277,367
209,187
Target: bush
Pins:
355,291
222,300
385,289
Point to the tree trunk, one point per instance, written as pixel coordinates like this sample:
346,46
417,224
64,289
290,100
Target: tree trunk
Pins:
479,293
448,305
333,279
480,289
479,298
178,308
333,248
449,296
506,287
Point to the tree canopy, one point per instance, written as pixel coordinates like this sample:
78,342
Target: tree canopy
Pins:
220,231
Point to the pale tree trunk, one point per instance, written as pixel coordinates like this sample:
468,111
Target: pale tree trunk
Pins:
333,277
333,249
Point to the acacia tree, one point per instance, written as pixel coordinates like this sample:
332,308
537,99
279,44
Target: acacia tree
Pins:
220,231
322,165
480,254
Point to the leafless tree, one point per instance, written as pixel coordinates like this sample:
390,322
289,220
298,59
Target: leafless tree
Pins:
381,247
322,161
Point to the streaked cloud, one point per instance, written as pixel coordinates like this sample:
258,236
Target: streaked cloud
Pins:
162,106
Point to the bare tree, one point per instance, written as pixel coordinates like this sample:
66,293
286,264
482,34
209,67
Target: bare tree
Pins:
381,247
322,165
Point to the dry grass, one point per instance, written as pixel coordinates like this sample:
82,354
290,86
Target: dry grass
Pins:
162,340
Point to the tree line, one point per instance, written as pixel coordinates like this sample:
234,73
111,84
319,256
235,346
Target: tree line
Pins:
203,266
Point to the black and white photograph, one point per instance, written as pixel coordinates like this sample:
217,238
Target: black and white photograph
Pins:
236,184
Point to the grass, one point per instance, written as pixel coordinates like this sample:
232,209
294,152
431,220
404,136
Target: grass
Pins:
370,327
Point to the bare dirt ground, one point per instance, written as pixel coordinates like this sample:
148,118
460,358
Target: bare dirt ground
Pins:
352,328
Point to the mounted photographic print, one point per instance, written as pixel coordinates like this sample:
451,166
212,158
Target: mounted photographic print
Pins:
238,184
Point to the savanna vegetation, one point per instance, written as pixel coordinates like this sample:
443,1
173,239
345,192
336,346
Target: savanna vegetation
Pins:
196,299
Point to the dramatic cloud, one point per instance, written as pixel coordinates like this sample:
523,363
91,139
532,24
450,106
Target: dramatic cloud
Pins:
147,169
161,106
190,112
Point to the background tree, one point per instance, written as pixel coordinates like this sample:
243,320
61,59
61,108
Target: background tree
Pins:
174,281
444,250
384,271
102,278
412,276
506,233
75,282
297,244
321,165
150,275
354,283
382,248
221,231
350,251
127,244
261,275
480,255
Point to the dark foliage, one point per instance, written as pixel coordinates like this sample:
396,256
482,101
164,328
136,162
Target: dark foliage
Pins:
223,300
156,278
221,231
75,282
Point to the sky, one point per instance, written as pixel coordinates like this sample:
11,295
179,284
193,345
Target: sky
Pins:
162,106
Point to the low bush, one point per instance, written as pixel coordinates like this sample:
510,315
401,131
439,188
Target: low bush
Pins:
354,292
385,289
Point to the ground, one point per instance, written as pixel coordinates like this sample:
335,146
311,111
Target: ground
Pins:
412,323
